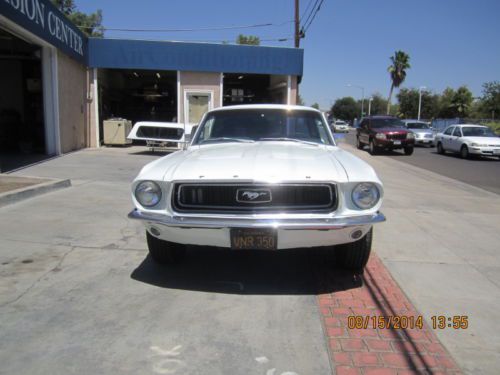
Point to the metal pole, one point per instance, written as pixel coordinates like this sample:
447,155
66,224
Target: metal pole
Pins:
297,24
420,100
362,101
370,106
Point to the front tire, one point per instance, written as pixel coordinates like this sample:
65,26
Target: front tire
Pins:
373,148
464,152
440,148
408,151
355,255
165,252
359,145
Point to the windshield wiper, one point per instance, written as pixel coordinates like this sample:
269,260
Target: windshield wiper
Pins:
289,140
228,139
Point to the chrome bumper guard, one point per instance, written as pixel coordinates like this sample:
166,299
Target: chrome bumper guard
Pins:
286,224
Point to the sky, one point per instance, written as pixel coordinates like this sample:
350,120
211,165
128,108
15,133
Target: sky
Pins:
450,42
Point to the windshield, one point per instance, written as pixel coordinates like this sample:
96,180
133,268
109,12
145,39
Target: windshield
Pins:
250,125
417,125
477,131
340,123
386,123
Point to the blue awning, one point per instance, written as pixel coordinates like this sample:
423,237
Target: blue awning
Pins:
202,57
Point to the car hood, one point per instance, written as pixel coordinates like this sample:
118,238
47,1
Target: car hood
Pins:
421,131
260,161
390,130
483,140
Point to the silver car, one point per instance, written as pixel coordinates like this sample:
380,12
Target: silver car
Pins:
424,135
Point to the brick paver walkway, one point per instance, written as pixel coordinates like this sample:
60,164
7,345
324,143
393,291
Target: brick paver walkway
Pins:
373,350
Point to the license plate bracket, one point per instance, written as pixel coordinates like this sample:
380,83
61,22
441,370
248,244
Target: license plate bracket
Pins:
397,142
253,238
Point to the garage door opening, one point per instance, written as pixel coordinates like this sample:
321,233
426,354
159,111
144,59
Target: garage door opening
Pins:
22,128
137,95
254,89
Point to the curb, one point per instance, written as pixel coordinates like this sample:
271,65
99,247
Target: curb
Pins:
21,194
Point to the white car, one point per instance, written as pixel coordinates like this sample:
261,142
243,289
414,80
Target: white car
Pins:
260,177
164,135
468,139
340,126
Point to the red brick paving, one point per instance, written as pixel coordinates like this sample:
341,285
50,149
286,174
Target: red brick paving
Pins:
377,351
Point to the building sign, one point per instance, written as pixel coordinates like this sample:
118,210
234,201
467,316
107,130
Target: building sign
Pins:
44,20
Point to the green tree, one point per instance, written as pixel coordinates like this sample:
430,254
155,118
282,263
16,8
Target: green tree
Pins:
461,102
248,39
408,104
90,24
300,101
315,105
491,99
397,71
445,110
65,6
346,108
378,105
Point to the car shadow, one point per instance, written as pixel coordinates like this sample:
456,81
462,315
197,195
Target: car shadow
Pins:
454,155
286,272
158,153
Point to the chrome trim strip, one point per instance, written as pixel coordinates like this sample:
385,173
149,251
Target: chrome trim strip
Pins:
287,224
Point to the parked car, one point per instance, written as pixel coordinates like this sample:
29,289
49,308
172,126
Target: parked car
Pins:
424,135
468,139
340,126
260,177
384,133
163,135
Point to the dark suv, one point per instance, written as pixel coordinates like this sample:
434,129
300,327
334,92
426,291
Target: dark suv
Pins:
384,133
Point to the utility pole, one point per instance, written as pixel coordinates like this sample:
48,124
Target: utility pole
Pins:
297,25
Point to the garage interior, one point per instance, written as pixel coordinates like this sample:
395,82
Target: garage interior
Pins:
254,89
137,95
22,132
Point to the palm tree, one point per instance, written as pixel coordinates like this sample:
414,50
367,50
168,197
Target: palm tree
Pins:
397,71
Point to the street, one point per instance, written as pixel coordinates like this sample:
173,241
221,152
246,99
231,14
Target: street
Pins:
480,172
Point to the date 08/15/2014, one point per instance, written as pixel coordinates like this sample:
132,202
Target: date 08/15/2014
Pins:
406,322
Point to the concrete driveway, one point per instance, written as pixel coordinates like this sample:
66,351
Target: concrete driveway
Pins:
79,295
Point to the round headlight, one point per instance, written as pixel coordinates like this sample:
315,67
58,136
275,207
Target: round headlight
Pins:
365,195
148,193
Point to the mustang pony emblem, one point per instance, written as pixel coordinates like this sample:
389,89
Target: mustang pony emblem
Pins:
253,196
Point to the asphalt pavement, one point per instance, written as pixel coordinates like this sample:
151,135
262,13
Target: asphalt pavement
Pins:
480,172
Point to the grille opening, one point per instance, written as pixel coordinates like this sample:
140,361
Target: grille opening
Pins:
259,198
159,133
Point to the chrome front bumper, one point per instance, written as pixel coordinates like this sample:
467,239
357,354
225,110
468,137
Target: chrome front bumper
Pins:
284,224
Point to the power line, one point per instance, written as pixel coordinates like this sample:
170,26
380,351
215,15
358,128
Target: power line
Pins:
305,11
188,30
310,13
314,15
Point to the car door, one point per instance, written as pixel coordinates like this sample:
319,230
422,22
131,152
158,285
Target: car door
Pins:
456,139
363,132
446,137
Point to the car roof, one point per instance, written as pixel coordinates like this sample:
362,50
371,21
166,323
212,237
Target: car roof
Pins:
266,106
374,117
470,125
416,121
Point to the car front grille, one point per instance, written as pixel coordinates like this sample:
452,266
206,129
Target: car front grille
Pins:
159,133
396,136
274,198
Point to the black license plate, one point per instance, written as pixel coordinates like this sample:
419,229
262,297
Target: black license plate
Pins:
253,239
